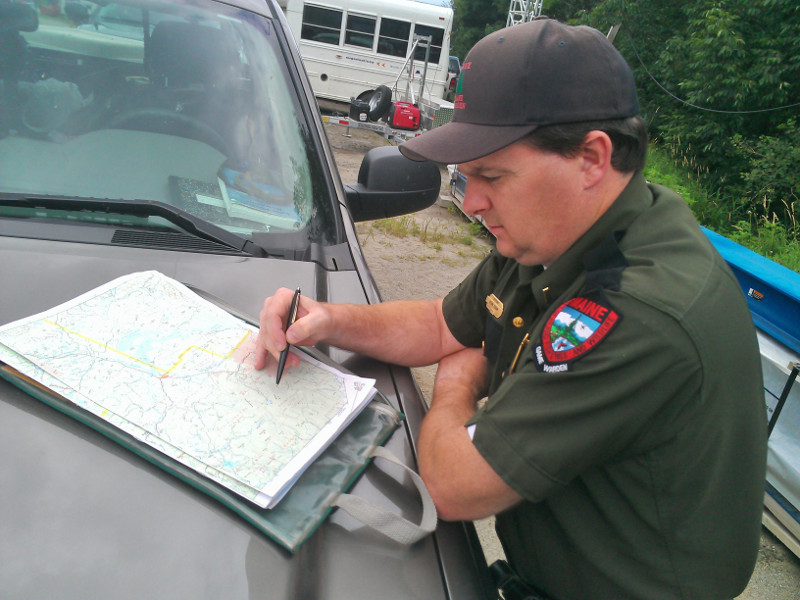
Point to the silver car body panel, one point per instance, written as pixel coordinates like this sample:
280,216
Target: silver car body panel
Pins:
82,517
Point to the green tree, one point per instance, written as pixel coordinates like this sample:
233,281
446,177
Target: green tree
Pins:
567,11
719,84
772,178
710,75
473,20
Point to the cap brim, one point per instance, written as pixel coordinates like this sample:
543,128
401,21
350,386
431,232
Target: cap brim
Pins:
456,143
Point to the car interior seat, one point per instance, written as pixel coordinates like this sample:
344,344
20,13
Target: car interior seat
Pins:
182,55
14,18
193,71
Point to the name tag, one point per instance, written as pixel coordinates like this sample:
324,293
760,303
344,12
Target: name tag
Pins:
494,306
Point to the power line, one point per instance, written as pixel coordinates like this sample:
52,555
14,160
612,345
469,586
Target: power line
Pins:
704,108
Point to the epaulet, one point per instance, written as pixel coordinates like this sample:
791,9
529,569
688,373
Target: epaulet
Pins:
605,263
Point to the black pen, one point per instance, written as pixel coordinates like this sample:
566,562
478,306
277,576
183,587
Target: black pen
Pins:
289,321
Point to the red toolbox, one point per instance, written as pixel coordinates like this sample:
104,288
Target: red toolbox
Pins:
404,115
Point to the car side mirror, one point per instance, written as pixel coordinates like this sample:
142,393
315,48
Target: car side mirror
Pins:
389,184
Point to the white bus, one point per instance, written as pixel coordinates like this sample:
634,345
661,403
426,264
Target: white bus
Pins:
350,47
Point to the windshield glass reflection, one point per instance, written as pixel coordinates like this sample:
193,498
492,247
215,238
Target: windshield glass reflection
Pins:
188,104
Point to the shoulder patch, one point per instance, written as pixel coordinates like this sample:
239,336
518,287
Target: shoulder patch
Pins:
574,328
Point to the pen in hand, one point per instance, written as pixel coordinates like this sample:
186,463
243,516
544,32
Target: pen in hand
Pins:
289,321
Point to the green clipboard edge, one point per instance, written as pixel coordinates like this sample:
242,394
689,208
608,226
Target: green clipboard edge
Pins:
307,503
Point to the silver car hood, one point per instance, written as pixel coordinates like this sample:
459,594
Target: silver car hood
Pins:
81,517
46,273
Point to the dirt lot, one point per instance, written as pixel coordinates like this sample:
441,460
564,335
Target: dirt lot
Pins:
425,255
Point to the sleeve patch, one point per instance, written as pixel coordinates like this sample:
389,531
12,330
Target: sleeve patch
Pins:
574,328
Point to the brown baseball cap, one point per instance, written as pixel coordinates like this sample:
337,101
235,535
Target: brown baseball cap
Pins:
522,77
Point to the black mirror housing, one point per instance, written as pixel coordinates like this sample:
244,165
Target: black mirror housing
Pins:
389,184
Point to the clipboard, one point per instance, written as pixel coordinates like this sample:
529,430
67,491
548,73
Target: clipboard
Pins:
318,487
307,503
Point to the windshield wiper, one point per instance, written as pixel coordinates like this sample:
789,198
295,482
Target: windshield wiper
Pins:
142,208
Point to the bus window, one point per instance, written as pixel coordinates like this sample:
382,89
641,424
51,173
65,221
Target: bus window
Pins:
360,31
437,36
393,39
321,24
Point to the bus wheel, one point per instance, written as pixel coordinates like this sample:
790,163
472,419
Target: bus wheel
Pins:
380,101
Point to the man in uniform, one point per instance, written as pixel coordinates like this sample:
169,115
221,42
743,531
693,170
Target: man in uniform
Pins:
623,443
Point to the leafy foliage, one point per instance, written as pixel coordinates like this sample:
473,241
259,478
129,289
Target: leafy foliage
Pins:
719,83
473,20
720,86
772,182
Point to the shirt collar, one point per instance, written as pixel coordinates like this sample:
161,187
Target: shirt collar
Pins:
549,284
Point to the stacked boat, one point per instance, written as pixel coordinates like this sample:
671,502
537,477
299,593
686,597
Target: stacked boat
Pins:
773,295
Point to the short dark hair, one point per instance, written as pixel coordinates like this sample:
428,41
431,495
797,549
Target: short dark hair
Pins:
628,136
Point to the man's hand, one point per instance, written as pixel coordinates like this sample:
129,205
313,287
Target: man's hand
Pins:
309,327
410,333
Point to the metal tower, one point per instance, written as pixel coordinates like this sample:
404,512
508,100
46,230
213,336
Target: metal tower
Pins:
522,11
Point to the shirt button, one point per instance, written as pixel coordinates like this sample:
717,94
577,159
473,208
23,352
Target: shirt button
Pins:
518,321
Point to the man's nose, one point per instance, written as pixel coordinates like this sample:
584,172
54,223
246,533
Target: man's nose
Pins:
475,199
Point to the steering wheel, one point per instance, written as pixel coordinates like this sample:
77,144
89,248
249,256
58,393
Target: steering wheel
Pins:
168,121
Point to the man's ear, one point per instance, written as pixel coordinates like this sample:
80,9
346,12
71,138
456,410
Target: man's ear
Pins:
596,157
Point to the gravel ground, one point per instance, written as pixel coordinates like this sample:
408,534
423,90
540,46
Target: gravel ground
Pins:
428,255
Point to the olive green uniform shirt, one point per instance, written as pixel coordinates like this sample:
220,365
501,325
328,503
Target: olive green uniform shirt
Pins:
632,421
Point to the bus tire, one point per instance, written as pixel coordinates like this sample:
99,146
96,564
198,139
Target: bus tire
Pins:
380,101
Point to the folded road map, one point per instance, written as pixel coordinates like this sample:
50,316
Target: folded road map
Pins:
154,359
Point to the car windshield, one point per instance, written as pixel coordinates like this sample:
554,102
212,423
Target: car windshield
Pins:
187,104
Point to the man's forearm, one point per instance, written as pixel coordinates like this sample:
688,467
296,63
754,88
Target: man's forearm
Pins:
410,333
463,485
